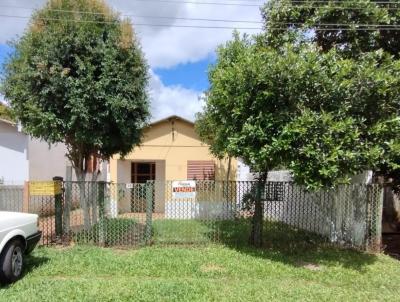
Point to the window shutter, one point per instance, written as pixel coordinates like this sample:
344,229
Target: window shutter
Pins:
200,170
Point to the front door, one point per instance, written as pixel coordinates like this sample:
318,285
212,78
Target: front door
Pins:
141,172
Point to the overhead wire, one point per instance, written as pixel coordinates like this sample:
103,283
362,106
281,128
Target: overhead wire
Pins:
135,24
330,27
138,16
277,25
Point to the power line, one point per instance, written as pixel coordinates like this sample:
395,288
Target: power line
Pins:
367,27
335,24
342,2
135,24
193,19
201,3
140,16
283,5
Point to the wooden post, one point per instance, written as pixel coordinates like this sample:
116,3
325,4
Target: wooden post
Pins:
25,202
58,204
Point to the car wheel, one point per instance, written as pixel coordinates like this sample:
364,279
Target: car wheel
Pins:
12,261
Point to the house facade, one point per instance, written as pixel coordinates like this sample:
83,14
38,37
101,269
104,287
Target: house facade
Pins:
14,160
25,158
171,150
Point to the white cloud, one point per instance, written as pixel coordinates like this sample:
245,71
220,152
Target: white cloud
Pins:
164,47
173,100
167,47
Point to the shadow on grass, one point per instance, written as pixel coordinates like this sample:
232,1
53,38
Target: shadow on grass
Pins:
290,246
31,263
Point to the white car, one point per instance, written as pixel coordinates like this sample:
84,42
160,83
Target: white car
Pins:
19,235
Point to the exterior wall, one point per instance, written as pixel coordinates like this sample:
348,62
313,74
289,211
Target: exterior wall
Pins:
170,145
122,168
46,161
24,158
14,164
176,144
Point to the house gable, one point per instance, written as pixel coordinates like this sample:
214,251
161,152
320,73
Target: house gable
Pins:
172,131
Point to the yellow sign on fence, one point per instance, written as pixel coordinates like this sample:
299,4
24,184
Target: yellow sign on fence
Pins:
44,188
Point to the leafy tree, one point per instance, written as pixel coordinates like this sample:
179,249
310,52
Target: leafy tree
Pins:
5,113
317,92
351,27
294,106
80,79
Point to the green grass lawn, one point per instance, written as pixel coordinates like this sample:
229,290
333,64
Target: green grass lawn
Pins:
205,273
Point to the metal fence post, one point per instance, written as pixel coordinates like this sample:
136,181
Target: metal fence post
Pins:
101,203
67,199
149,211
58,207
25,201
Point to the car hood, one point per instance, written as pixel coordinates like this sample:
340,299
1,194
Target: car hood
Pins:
10,215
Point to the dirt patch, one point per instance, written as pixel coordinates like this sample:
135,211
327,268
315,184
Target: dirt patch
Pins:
310,266
212,268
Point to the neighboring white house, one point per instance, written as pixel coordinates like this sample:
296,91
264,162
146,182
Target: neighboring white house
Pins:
244,173
24,158
14,162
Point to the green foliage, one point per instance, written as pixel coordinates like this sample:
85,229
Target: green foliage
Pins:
291,20
113,232
6,113
386,150
80,82
325,148
294,106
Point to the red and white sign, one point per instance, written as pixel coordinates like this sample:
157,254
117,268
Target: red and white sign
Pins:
185,189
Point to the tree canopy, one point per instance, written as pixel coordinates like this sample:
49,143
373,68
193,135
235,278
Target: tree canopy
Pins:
311,112
78,76
317,92
352,27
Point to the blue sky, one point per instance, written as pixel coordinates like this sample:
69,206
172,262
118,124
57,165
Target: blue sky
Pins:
178,57
189,75
5,50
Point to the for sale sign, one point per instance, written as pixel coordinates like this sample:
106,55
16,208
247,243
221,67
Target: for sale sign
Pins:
184,189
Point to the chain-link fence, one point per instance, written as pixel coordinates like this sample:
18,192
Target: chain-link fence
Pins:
11,197
193,212
107,214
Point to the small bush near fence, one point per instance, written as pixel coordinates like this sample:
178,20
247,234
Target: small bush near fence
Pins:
110,214
112,232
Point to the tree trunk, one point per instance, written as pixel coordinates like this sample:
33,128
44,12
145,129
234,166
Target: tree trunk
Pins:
94,197
226,187
81,177
229,169
256,236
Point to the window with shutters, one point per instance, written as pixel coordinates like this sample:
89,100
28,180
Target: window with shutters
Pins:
200,170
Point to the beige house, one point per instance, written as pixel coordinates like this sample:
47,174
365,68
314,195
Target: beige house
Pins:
171,150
